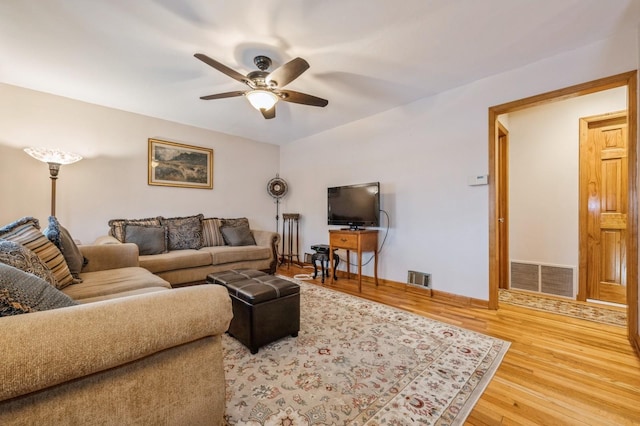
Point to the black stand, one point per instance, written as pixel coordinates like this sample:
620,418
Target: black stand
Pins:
322,255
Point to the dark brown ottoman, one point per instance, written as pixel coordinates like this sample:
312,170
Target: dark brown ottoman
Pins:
265,308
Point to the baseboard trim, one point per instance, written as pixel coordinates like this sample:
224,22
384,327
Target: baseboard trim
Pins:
437,295
635,342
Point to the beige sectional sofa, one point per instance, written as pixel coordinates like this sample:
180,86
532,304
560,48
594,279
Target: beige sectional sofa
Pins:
127,349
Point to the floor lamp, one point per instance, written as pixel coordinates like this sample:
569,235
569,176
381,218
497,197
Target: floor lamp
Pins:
55,158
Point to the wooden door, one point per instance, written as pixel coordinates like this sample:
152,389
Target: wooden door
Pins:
603,207
503,206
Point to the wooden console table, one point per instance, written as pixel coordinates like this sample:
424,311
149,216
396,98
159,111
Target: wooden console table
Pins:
361,240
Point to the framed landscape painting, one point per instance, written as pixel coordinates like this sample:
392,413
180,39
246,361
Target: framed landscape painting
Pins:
175,164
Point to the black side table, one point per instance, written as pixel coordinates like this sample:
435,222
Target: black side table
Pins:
322,255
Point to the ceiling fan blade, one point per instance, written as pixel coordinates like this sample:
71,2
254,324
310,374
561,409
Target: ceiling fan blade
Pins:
269,113
222,68
302,98
222,95
288,72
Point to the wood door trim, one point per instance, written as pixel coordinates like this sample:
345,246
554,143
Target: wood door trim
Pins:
628,79
503,242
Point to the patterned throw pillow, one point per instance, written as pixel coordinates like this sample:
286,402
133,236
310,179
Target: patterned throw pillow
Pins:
59,236
211,232
16,255
240,221
117,225
26,231
9,305
184,232
21,293
149,239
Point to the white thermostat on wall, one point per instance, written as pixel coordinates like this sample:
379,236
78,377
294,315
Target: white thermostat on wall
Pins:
478,180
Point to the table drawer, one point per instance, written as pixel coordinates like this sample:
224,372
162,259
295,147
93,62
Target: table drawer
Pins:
344,241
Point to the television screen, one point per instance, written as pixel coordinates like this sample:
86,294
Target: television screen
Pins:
354,205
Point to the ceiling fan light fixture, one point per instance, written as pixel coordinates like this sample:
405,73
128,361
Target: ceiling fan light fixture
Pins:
262,99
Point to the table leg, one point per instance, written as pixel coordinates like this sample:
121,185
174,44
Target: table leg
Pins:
315,268
375,267
331,276
359,271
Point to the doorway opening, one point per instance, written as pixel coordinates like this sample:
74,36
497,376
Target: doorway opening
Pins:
498,187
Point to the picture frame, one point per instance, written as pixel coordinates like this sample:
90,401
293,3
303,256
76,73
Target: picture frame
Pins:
176,164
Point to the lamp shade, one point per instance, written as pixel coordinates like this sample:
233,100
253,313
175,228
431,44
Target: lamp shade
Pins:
262,99
55,156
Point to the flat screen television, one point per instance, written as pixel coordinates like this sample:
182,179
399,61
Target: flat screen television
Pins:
354,206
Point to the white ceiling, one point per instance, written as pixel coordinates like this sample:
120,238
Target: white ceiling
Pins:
366,56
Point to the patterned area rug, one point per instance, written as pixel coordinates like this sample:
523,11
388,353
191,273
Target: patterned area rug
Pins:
357,362
598,313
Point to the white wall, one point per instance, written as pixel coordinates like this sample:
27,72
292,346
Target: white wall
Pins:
422,154
111,181
544,146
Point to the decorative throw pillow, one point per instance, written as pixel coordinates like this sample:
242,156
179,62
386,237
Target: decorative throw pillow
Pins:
184,232
59,236
117,225
26,231
149,239
18,256
211,232
240,221
21,292
9,305
237,235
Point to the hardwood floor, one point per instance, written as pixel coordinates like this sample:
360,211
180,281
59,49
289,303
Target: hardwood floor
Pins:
558,371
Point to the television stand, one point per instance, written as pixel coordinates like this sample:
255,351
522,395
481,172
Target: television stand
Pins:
359,240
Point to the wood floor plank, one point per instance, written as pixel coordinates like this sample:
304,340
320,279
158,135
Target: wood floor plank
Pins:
559,370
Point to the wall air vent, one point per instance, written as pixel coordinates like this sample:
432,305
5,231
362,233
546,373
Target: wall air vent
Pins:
543,278
419,279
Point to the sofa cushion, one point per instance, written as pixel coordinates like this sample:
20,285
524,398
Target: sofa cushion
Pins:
26,231
150,239
177,259
228,254
109,283
237,235
16,255
184,232
62,239
211,234
135,292
116,226
21,292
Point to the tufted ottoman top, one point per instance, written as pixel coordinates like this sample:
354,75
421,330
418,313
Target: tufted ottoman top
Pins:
253,286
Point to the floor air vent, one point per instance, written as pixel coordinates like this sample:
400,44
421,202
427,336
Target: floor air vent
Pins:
542,278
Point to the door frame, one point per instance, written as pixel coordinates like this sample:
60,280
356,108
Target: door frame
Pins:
502,179
628,79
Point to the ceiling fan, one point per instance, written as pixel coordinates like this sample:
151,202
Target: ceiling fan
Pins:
266,88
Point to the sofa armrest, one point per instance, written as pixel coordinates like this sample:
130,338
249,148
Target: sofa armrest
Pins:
269,239
52,347
109,256
266,238
106,239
